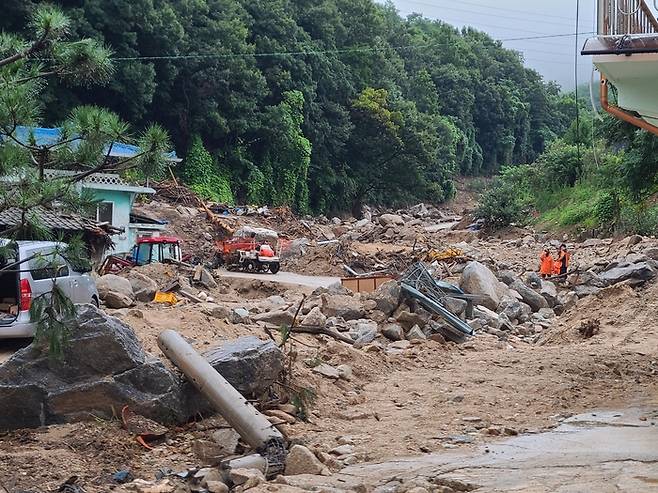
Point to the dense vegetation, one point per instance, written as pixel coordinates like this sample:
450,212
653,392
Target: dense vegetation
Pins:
602,179
319,104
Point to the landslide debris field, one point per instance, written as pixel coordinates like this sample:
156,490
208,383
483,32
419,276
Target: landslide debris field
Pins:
384,380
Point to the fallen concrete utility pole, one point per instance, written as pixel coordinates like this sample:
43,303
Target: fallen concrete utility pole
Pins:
432,305
252,426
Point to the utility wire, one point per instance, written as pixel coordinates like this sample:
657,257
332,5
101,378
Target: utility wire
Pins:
508,17
497,8
364,49
575,73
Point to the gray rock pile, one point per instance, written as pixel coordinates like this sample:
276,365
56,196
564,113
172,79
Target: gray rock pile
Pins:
104,367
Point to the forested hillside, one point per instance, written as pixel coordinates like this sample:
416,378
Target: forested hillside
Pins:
319,104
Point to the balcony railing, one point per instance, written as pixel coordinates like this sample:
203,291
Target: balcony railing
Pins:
620,17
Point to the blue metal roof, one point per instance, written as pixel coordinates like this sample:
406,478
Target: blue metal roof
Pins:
51,136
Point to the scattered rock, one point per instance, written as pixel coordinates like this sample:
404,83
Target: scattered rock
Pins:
478,279
215,310
391,220
642,271
346,307
216,487
227,439
507,276
113,283
549,292
143,287
344,372
407,319
249,364
364,333
281,415
276,317
652,253
204,277
117,300
326,370
239,316
342,450
530,296
387,297
301,460
455,305
394,332
533,280
416,334
633,240
315,318
241,476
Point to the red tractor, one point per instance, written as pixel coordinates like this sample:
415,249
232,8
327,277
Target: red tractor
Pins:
148,250
246,254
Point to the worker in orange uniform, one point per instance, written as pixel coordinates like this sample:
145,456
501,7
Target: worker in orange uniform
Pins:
545,263
562,263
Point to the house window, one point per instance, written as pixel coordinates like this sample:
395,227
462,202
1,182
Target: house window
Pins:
104,212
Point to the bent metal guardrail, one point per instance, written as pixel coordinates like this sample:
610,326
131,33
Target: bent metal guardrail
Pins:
620,17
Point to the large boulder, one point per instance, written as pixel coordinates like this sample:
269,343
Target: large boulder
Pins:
641,271
144,288
549,291
102,368
118,300
112,282
478,279
391,220
115,291
346,307
530,296
387,297
249,364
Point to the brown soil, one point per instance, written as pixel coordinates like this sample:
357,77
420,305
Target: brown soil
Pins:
426,398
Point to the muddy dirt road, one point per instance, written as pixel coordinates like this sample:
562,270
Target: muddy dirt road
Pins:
605,451
283,278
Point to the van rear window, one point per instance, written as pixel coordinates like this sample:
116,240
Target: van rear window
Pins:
48,267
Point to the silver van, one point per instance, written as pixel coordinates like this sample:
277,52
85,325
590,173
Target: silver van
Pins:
29,279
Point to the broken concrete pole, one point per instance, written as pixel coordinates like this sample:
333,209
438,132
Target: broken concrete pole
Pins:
103,368
249,364
252,426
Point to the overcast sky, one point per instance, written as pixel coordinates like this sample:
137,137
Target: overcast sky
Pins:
504,19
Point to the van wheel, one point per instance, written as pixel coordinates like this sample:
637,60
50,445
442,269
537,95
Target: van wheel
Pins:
95,302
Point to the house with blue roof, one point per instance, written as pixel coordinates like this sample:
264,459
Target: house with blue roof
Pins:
116,196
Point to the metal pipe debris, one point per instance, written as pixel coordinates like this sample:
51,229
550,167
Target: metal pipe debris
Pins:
430,304
252,426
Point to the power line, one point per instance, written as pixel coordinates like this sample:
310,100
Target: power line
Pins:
575,73
535,14
417,2
363,49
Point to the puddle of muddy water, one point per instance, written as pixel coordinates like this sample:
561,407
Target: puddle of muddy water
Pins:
611,451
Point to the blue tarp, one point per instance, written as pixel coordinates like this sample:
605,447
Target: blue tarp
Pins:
50,136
